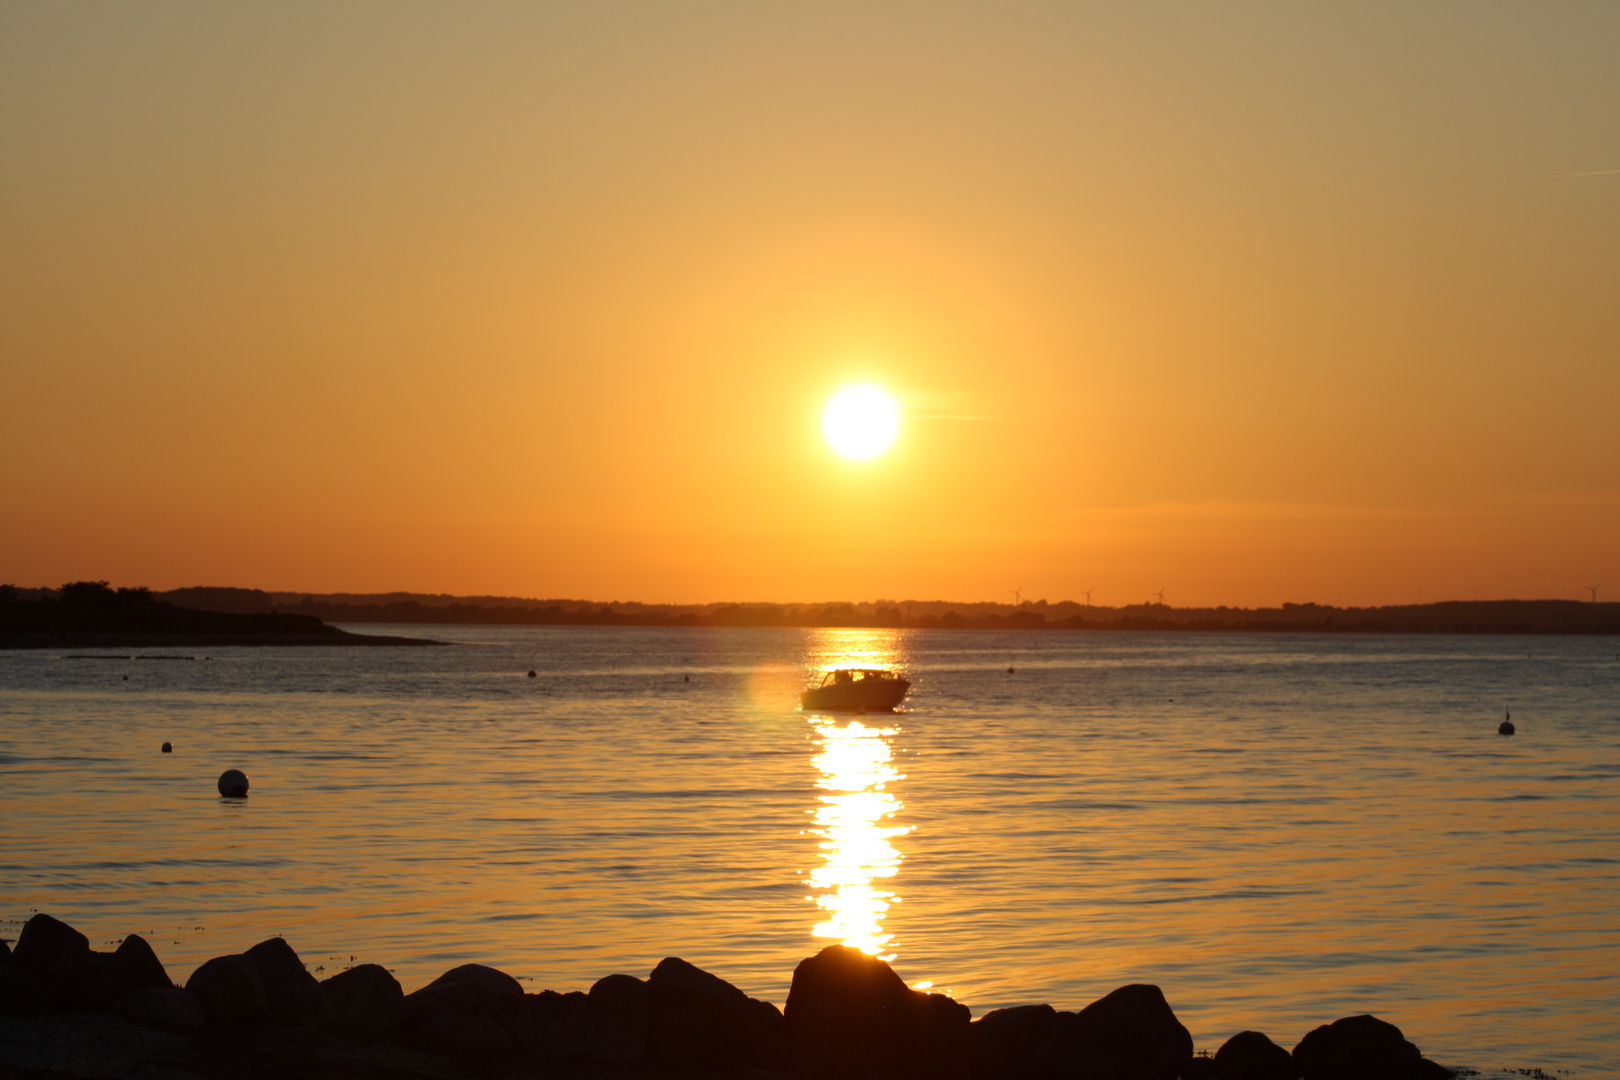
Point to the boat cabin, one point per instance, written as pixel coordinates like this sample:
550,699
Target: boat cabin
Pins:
851,675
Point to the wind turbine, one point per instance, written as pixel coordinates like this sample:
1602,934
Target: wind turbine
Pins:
1593,590
1160,595
1087,594
1018,596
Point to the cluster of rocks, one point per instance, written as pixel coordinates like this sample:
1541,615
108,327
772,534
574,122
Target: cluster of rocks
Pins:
848,1017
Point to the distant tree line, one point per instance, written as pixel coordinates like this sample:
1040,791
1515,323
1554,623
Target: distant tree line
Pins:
81,606
1452,617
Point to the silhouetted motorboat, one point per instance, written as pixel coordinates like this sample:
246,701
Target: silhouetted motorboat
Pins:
856,690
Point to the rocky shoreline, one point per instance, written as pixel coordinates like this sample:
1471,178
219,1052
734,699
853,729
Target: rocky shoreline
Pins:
72,1012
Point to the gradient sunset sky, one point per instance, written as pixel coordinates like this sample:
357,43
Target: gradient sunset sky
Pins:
1251,302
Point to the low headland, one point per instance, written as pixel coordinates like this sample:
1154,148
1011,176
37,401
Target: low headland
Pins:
71,1012
91,615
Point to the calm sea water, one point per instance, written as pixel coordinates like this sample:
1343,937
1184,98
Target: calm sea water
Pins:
1278,830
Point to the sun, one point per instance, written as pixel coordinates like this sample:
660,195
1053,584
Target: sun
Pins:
860,422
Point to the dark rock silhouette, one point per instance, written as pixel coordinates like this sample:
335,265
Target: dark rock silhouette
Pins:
365,1000
1250,1055
620,990
699,1018
611,1026
848,1012
111,976
848,1016
466,1011
1135,1027
137,966
462,1035
1034,1041
171,1008
230,991
1363,1048
51,961
1129,1033
291,993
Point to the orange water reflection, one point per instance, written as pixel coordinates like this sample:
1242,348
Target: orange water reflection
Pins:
854,814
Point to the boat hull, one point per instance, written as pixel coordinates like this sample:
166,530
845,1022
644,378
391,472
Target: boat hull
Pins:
864,695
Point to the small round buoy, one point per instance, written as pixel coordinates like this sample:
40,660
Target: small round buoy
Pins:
126,678
686,678
1009,671
168,748
1505,728
233,784
532,675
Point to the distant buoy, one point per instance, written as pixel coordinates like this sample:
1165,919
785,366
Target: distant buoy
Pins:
1009,671
686,678
169,749
233,784
532,675
126,678
1506,726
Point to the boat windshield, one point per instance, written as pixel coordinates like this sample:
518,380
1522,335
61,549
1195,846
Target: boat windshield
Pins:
844,675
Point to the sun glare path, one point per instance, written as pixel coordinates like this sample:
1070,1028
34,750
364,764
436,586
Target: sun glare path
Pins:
860,422
856,763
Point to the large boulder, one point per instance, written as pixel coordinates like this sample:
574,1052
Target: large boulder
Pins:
1250,1055
468,990
624,991
112,976
137,966
292,995
848,1012
1363,1048
170,1008
1033,1042
230,991
699,1018
1137,1030
50,962
365,1000
432,1016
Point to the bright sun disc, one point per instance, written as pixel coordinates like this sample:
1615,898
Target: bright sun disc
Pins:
860,422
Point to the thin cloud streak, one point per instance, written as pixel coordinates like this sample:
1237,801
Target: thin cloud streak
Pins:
1597,172
924,412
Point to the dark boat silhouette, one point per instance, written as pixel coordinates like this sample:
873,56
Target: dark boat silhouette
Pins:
856,690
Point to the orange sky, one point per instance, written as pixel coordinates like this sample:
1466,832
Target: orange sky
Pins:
1254,303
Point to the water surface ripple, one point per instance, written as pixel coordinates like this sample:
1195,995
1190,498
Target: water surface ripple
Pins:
1279,830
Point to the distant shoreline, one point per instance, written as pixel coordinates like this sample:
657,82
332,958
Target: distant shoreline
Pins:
90,614
1447,617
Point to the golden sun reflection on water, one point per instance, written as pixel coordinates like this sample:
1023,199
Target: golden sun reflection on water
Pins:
855,811
856,764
